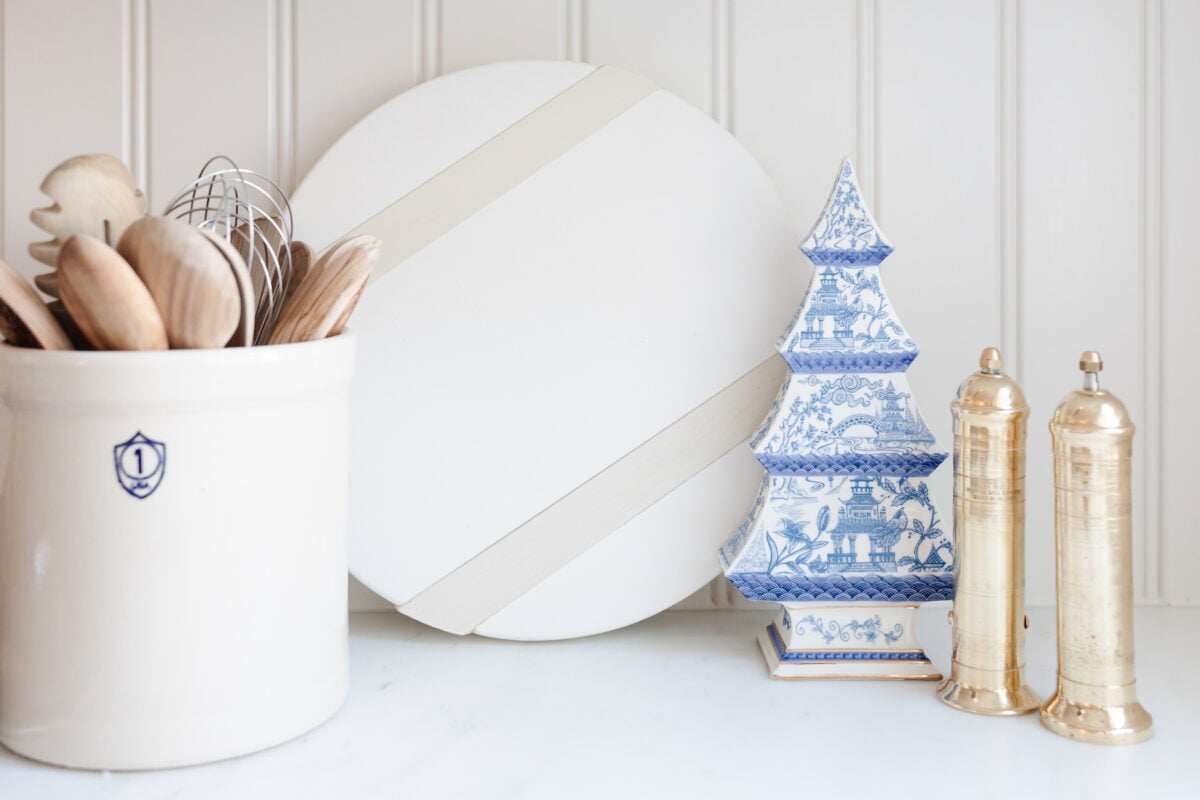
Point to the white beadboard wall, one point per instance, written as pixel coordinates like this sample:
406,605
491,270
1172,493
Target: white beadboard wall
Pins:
1035,162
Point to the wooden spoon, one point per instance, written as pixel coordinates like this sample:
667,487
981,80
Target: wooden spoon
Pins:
260,255
340,323
24,319
94,195
189,279
104,296
69,326
47,282
302,259
327,295
244,335
267,237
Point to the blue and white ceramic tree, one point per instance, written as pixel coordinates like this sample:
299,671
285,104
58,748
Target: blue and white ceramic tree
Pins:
844,532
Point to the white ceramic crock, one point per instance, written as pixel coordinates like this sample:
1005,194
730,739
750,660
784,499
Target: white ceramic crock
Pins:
172,551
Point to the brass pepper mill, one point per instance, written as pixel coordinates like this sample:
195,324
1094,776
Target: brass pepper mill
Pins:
1095,699
988,662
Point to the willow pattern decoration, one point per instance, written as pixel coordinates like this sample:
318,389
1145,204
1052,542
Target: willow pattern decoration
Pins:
844,522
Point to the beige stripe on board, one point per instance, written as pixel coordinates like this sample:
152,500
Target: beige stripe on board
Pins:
498,165
477,590
488,582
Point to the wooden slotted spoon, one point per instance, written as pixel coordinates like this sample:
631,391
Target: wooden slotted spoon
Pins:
94,195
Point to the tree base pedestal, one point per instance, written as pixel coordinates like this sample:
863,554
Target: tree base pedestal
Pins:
860,640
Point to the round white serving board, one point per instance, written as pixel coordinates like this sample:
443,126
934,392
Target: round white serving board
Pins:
548,335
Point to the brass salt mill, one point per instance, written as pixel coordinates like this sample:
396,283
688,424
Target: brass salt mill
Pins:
1095,698
988,662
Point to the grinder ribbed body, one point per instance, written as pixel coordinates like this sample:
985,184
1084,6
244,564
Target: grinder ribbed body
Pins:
987,670
1095,696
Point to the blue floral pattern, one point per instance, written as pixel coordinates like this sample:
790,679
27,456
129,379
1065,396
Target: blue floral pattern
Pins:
841,525
836,656
845,323
845,424
868,630
844,509
846,319
846,233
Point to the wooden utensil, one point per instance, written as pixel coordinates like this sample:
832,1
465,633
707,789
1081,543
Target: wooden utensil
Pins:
243,336
327,295
268,238
262,250
302,259
340,323
24,319
93,195
47,283
189,279
69,326
105,297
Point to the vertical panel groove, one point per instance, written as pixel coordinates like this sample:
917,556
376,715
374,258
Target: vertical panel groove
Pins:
284,66
721,84
274,12
1152,325
3,132
1009,166
137,136
574,19
876,121
281,65
721,594
866,148
127,81
584,35
430,31
418,41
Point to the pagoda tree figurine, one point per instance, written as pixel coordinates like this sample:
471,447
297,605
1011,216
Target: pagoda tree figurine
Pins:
844,532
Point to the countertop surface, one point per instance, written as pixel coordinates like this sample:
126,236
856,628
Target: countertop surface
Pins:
677,706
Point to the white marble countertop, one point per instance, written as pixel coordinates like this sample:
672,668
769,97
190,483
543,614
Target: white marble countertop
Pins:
677,706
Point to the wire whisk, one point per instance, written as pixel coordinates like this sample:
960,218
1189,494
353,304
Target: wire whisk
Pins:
250,211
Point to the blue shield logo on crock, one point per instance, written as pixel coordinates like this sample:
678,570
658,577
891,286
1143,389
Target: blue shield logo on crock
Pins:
140,463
